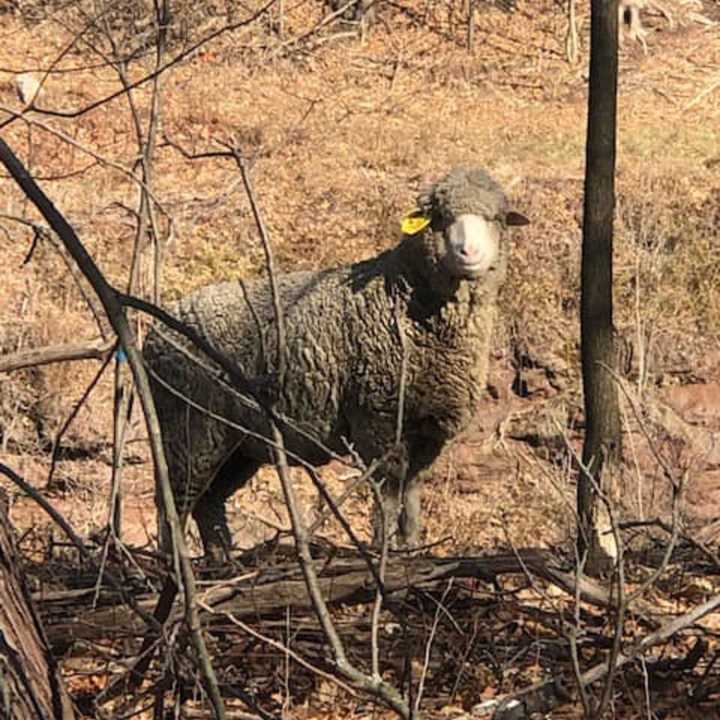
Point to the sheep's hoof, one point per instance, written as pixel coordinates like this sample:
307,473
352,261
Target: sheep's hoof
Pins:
396,544
217,563
217,552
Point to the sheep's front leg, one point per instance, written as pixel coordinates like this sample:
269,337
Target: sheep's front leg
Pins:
399,507
423,451
386,514
391,476
410,524
399,512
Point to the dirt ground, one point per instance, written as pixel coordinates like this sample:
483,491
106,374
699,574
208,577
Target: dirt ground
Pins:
345,131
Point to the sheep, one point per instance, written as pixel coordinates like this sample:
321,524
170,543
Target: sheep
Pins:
418,316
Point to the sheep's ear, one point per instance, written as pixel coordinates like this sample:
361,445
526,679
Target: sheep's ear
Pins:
413,223
516,218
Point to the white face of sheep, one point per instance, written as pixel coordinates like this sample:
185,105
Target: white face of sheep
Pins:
472,245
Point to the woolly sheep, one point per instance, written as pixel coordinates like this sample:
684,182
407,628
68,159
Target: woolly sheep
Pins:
427,304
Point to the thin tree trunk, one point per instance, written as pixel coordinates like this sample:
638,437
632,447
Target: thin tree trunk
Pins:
602,416
30,685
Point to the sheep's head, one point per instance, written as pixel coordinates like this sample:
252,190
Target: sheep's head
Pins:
462,218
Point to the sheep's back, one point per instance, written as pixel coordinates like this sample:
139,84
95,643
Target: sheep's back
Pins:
239,320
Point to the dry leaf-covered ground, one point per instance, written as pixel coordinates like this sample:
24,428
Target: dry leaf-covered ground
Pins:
345,132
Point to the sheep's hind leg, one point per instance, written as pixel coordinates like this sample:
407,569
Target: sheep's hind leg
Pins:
209,511
209,514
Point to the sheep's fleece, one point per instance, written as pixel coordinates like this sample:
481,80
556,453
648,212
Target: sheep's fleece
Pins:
427,304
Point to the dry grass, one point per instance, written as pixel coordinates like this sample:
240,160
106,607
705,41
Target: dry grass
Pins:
345,134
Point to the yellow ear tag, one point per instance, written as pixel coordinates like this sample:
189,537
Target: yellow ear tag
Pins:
413,224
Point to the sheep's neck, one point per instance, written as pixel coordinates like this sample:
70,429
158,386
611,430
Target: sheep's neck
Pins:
443,306
418,265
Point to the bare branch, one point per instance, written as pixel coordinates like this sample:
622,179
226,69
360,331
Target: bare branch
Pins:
373,685
94,350
114,309
507,706
57,518
163,68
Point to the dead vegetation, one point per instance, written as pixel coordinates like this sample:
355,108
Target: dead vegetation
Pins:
325,114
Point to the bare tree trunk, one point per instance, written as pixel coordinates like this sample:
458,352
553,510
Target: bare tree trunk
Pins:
30,685
602,416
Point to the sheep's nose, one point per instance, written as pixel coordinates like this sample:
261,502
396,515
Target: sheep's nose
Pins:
473,244
469,235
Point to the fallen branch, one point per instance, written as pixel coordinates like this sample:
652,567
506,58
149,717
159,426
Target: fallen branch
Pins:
93,350
343,581
544,696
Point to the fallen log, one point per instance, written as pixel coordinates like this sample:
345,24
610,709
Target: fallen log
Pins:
273,591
